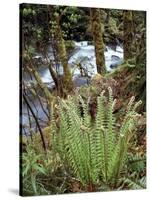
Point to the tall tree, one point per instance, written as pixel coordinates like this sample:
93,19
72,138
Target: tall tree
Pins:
141,40
98,39
128,33
141,49
62,54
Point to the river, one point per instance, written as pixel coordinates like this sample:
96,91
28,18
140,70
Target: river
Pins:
84,55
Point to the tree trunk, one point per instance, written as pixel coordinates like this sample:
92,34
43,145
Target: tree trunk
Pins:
67,81
52,72
98,40
50,65
141,50
141,46
128,34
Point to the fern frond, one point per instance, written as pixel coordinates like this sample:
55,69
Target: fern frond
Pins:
139,184
77,153
110,135
100,135
130,104
94,151
136,163
117,161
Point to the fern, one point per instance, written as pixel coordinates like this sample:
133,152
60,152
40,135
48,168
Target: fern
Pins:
110,125
94,151
138,184
99,136
119,154
136,163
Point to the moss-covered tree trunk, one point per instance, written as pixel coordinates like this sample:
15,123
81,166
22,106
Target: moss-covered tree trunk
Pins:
98,39
55,78
128,33
51,67
141,50
141,44
62,54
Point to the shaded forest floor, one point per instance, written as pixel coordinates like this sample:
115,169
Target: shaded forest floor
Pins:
125,83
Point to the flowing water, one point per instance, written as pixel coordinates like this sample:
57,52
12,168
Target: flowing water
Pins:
83,56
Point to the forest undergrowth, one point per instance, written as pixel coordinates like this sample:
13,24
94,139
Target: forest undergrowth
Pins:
94,136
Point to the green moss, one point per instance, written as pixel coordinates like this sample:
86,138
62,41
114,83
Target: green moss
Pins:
113,26
98,40
62,54
128,34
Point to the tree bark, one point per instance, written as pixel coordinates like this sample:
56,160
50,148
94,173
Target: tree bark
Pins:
98,39
128,34
141,50
67,81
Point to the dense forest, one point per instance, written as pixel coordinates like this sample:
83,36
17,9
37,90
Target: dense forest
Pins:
83,99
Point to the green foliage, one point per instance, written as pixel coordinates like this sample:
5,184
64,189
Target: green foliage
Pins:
94,151
136,184
31,167
41,173
136,163
28,11
30,163
113,26
135,172
70,46
30,51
